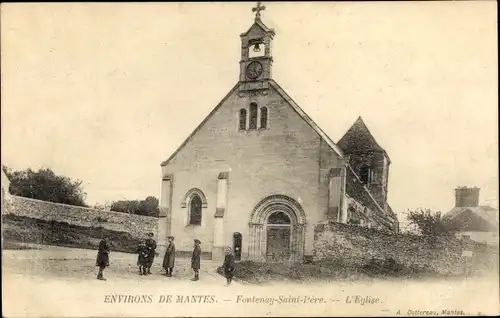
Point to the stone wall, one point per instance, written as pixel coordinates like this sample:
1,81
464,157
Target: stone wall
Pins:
136,225
353,245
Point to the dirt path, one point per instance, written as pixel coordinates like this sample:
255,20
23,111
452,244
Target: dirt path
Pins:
57,281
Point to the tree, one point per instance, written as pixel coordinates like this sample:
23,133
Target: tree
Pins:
45,185
430,223
147,207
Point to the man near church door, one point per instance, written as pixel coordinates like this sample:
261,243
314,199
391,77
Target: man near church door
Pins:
195,260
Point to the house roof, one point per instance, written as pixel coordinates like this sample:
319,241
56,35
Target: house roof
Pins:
359,139
485,212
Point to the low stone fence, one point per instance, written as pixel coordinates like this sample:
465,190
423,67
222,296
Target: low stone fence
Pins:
136,225
357,246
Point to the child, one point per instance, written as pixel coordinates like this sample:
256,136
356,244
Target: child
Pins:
102,258
228,266
195,260
169,258
142,258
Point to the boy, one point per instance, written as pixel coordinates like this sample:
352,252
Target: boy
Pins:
142,258
195,260
102,258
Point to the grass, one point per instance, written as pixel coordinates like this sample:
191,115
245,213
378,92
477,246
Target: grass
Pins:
20,229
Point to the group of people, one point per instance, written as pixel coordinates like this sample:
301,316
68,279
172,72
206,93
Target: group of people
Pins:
147,251
146,254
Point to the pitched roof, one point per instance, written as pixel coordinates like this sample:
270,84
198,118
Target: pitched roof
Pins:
485,212
307,119
261,25
290,101
164,163
359,139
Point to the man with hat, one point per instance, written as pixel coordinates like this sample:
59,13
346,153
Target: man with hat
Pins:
151,247
169,259
195,259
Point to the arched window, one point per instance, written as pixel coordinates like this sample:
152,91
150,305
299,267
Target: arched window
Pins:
253,116
243,119
364,174
195,206
278,218
263,117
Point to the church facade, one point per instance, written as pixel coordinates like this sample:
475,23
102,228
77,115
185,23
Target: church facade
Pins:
258,174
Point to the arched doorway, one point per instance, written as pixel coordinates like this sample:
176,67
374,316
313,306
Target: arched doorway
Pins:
277,230
237,243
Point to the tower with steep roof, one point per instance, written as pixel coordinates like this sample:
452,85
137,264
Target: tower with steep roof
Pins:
369,160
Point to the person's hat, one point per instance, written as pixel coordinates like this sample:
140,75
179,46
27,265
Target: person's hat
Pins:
150,234
170,237
197,241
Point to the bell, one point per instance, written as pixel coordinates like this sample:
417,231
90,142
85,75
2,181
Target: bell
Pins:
256,48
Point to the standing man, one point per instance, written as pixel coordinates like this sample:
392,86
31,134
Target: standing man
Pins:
169,259
195,260
102,258
151,247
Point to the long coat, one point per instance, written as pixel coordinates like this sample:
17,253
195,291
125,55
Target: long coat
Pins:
142,258
151,246
102,254
228,265
195,258
169,259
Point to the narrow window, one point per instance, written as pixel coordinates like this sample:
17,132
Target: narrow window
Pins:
253,116
263,118
243,119
195,210
364,174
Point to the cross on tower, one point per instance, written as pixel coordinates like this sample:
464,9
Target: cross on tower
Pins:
257,10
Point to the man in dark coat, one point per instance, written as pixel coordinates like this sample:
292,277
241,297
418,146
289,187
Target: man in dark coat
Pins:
142,258
195,260
102,258
228,266
151,246
169,259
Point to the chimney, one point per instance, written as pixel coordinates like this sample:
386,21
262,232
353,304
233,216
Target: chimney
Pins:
466,197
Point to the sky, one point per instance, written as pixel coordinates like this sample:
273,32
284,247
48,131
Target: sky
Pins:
104,93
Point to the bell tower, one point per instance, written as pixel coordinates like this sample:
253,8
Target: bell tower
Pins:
256,58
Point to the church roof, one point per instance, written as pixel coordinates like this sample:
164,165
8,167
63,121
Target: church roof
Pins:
359,139
307,119
285,96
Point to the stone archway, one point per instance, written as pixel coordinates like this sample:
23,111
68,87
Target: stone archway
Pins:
281,219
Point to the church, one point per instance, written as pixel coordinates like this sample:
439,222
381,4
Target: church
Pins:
258,174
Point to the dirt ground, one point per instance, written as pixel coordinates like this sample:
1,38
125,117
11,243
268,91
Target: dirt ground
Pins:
56,281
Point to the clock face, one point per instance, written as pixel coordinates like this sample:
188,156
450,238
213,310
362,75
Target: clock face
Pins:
254,70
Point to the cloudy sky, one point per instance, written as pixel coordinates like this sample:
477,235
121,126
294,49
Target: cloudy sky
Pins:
105,92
